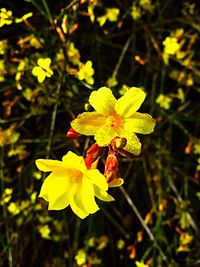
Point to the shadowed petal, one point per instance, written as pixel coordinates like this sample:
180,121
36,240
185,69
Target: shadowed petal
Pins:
102,195
116,182
133,144
130,102
139,123
97,178
64,200
103,101
88,123
77,206
87,196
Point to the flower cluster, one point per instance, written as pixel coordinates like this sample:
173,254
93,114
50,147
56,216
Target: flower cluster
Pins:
75,180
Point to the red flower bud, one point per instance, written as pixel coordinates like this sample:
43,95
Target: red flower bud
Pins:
111,166
118,143
92,154
72,133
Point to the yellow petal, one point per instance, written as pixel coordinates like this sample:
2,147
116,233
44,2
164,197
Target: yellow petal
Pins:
77,207
64,200
55,185
139,123
116,182
48,165
73,161
36,71
130,102
88,123
103,101
97,178
104,135
87,196
102,195
133,144
44,62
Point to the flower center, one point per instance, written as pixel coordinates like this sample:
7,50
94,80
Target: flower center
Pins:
114,121
76,176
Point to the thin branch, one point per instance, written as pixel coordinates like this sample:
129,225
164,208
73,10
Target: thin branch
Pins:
147,229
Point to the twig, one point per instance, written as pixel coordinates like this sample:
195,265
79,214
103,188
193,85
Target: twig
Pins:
53,120
150,234
119,62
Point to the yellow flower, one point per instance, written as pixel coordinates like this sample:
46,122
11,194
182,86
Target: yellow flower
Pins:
86,72
164,101
43,69
136,12
114,117
5,17
171,46
111,15
71,183
81,257
73,54
140,264
45,231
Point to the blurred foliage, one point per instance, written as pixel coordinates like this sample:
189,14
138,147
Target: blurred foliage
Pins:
52,55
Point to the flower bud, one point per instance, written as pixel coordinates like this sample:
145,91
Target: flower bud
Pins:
92,154
111,166
72,133
118,143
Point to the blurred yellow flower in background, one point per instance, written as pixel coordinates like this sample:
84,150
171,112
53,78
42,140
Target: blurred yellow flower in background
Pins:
71,183
5,17
86,72
114,117
43,69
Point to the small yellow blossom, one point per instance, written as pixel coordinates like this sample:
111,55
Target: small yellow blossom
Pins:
81,257
86,72
3,46
7,194
5,17
146,5
181,95
114,117
37,175
45,231
164,101
71,183
112,82
197,147
140,264
171,45
34,42
91,13
136,12
111,15
43,69
73,54
120,244
2,70
13,208
8,136
102,242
